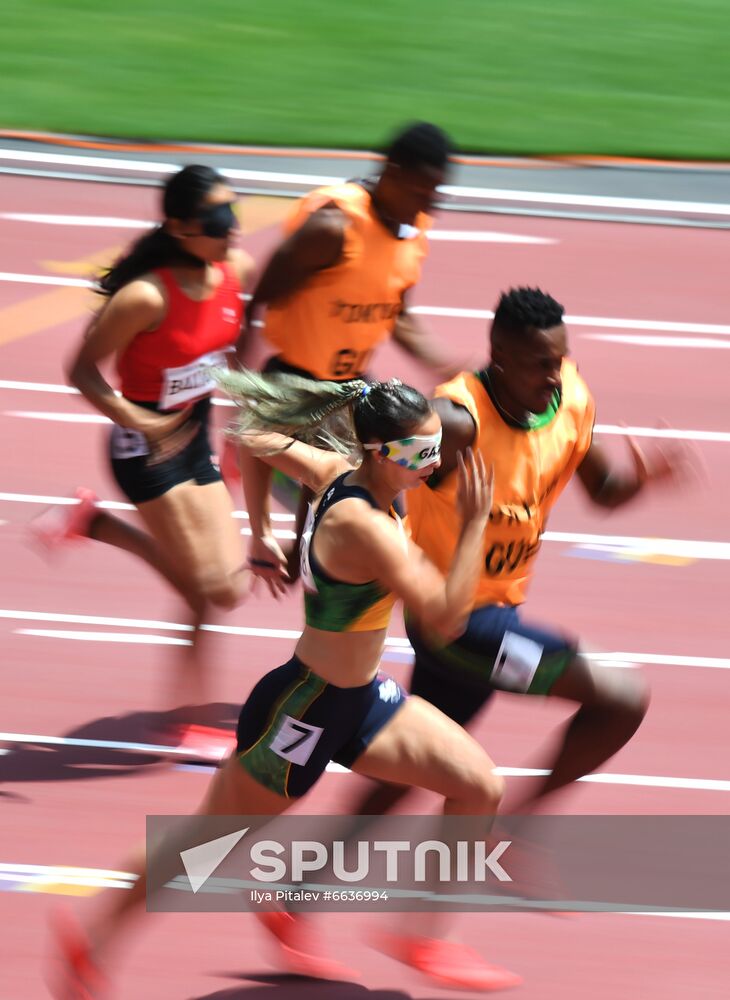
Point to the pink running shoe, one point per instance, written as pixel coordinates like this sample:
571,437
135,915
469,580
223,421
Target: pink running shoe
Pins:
299,947
447,963
63,523
205,743
76,976
228,464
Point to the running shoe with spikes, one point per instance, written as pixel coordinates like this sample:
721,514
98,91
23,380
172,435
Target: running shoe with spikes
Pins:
206,743
228,464
76,977
66,523
299,948
447,963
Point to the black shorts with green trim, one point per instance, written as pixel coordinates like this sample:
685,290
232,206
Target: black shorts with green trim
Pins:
294,723
498,651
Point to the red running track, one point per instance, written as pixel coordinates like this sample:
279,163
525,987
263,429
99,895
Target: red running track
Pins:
86,808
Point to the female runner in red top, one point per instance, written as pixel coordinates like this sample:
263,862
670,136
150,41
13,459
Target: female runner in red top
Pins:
173,311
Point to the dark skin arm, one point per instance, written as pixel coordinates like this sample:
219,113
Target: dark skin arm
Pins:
606,486
459,432
315,246
610,488
410,334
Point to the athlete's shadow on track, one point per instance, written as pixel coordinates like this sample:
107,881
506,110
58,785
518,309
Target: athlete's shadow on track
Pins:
286,987
36,762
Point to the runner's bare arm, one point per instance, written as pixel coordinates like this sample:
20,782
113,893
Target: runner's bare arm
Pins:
136,307
243,266
610,487
313,467
417,340
459,432
316,245
441,603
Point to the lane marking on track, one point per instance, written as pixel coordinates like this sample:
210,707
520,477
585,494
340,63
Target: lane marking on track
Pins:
109,504
45,279
607,322
60,418
667,433
632,546
71,881
69,302
317,180
669,326
100,221
399,644
113,222
646,340
602,778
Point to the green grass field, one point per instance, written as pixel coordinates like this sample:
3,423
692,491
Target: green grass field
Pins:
624,77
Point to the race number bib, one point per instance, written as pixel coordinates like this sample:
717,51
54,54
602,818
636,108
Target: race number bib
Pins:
295,740
517,660
126,443
181,385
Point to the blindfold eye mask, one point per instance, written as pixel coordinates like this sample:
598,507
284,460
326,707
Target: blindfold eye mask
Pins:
410,453
218,220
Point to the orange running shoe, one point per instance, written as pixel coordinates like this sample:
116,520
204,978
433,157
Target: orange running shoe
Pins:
447,963
66,523
299,947
76,977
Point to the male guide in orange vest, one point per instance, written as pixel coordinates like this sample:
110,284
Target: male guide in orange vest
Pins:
337,285
532,466
531,415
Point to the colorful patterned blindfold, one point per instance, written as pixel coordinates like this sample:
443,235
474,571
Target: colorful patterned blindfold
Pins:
411,453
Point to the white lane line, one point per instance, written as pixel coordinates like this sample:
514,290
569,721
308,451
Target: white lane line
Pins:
110,504
102,221
113,222
398,643
676,548
607,322
475,236
44,279
64,390
30,876
49,501
61,418
631,545
121,637
669,326
647,340
318,180
625,660
669,433
602,778
592,200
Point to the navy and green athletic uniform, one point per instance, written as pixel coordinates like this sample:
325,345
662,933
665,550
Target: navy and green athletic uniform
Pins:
294,722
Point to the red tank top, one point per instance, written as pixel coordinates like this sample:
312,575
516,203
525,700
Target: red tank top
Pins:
170,365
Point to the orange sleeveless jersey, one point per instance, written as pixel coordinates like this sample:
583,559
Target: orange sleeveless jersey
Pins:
330,326
531,469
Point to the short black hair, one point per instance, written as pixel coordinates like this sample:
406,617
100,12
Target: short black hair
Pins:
521,309
419,145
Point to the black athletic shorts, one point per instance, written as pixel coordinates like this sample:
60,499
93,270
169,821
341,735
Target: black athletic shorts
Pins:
142,477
